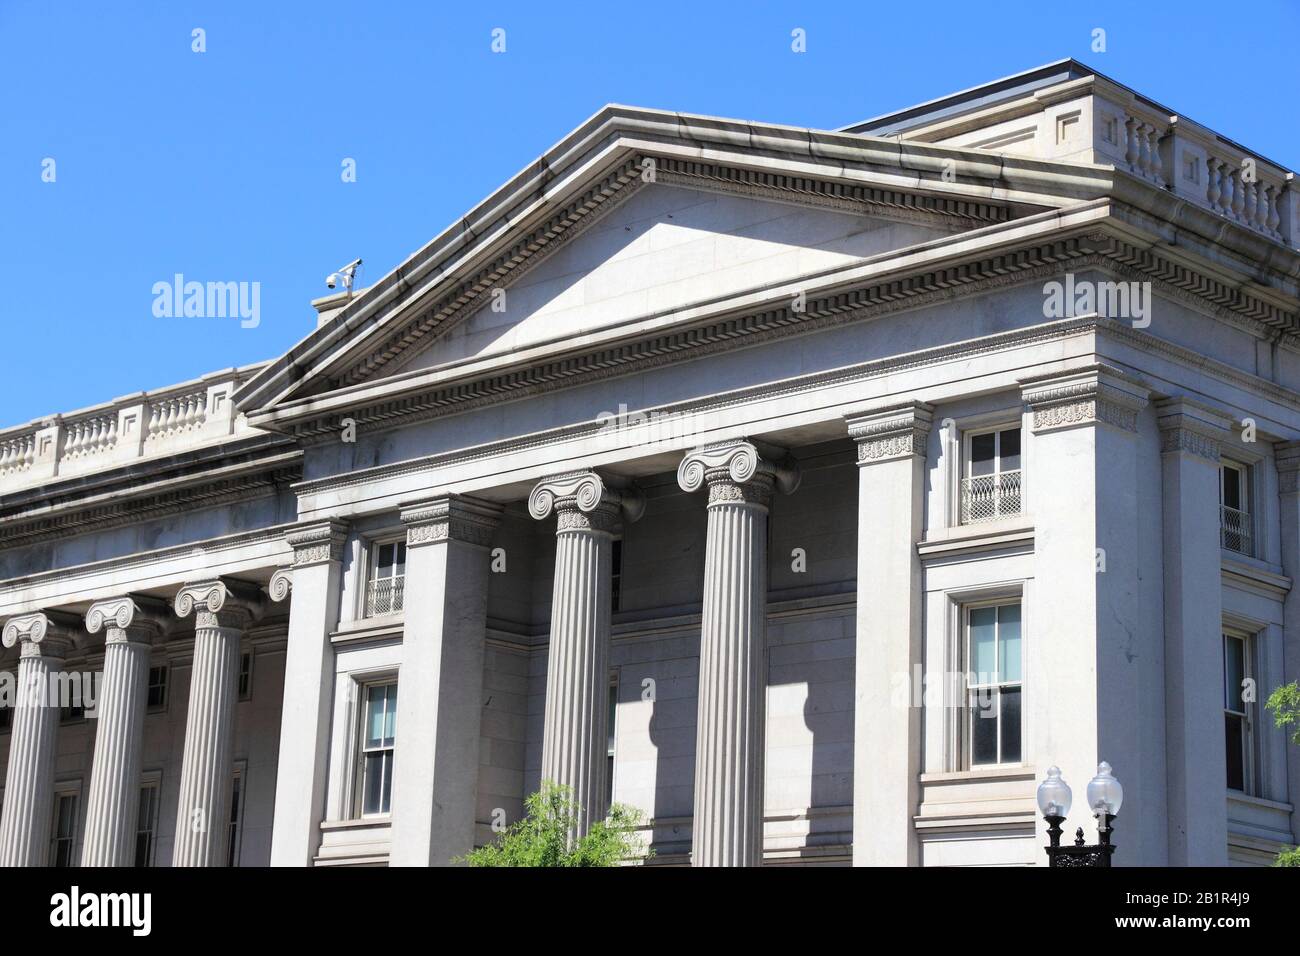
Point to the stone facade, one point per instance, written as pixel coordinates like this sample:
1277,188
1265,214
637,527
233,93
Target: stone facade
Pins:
748,475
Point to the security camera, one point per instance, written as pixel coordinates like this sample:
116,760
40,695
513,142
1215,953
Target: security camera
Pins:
344,275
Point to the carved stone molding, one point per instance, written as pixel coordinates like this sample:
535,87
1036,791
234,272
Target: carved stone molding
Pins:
583,501
451,518
322,542
891,433
1188,426
43,633
738,471
1098,394
128,618
1288,466
222,602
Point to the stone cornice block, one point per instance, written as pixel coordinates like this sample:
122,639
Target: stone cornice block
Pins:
451,518
888,433
739,470
1193,427
317,543
1097,394
584,500
44,633
133,617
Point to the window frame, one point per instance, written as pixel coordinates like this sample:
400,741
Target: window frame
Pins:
1249,716
246,688
162,706
357,773
611,737
235,823
149,780
67,788
1248,496
967,729
965,432
371,572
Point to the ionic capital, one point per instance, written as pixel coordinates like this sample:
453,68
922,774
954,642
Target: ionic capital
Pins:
451,518
317,543
43,633
891,432
223,602
739,471
280,585
1097,394
583,501
129,619
1188,426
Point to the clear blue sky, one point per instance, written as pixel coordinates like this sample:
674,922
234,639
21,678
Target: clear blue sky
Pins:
225,165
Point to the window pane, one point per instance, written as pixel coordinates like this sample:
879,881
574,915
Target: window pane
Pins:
375,698
388,782
374,783
613,713
390,714
983,632
1009,642
1232,488
400,563
1234,745
1010,458
982,448
1010,724
983,727
1234,672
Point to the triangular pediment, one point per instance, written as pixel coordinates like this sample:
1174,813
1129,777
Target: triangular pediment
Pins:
666,247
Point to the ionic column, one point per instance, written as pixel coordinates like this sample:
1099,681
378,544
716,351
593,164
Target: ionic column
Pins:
730,733
133,624
440,688
224,610
46,638
886,733
1190,437
314,581
588,515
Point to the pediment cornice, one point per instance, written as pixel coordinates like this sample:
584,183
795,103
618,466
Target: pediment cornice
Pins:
605,158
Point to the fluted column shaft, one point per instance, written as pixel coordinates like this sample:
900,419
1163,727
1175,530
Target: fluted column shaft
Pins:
730,734
209,736
119,737
29,779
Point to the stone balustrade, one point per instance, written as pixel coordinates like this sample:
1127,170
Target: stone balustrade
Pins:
144,425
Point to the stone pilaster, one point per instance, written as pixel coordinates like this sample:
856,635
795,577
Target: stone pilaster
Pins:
45,638
1091,641
440,694
313,581
222,609
588,515
730,731
131,627
1288,480
1190,437
891,444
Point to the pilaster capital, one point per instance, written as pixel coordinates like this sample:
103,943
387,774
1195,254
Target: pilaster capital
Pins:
43,633
221,602
317,543
890,432
739,471
1188,426
281,583
128,619
1097,394
451,518
584,501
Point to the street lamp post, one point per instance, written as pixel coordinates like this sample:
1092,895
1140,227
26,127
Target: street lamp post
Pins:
1104,797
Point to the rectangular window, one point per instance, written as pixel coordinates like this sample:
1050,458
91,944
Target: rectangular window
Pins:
1234,508
73,710
609,748
990,484
387,578
146,827
246,675
994,687
157,695
1238,722
63,839
616,573
234,828
378,733
6,718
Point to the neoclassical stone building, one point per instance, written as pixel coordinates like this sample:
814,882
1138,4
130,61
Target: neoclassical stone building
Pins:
813,491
